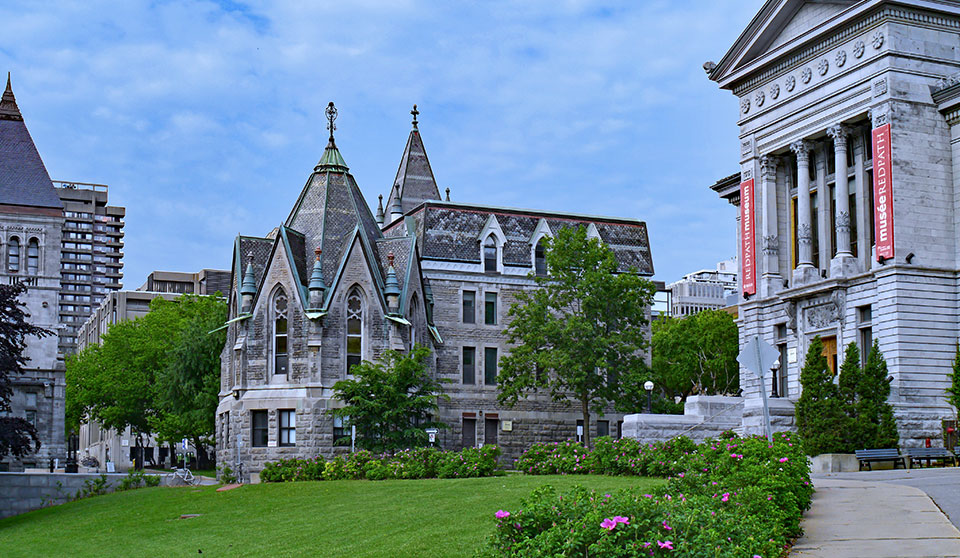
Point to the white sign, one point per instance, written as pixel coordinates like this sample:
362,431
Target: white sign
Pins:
124,443
506,425
183,444
791,355
110,467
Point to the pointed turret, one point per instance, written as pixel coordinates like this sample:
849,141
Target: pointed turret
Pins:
392,287
396,210
8,104
414,183
380,210
23,177
248,288
317,287
331,159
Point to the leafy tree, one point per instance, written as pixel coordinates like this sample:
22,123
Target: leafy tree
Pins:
821,419
17,436
954,390
391,402
582,334
849,391
696,354
874,415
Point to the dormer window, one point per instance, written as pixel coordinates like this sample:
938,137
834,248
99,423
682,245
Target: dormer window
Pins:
490,255
540,259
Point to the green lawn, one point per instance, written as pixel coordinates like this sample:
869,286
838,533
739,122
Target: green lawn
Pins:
337,518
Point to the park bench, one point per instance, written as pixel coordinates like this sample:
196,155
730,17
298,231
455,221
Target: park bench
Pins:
917,455
867,456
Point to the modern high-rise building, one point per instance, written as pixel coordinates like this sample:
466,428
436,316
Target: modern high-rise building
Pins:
707,289
91,259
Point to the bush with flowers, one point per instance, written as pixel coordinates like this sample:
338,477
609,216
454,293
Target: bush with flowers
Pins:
729,497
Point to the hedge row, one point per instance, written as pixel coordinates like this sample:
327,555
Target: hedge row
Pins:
730,497
418,463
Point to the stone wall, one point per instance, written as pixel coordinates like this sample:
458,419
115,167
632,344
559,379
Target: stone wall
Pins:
23,492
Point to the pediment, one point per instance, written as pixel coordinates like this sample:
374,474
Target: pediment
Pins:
778,23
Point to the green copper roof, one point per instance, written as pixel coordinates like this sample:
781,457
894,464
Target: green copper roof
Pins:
249,285
316,278
331,159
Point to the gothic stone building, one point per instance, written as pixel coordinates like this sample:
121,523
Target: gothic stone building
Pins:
31,219
849,219
335,285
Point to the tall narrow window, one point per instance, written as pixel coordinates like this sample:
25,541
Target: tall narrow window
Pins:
490,308
414,317
341,432
258,423
469,365
354,329
865,330
33,256
288,427
469,307
540,260
280,333
13,255
490,366
490,255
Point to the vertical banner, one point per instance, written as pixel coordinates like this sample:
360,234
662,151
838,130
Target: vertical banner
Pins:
883,192
748,265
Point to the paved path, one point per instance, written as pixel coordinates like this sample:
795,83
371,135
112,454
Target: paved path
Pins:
875,519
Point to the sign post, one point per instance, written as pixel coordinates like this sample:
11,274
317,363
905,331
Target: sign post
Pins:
758,356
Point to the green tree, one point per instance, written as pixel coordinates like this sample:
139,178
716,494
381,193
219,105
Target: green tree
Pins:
391,402
696,354
821,420
850,382
953,391
582,333
17,436
874,414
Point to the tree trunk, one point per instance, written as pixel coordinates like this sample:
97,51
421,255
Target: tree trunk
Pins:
586,420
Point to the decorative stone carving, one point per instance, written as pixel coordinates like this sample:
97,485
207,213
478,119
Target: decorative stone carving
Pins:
774,91
858,49
804,234
839,134
805,75
843,221
744,105
770,245
880,87
768,166
823,66
878,39
821,315
841,58
759,98
745,147
878,116
839,300
791,83
747,174
791,311
802,150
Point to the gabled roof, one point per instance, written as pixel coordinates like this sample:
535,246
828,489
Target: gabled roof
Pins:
414,183
779,27
23,177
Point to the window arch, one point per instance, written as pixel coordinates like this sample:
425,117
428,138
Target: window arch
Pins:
13,255
540,259
490,253
281,357
354,313
33,256
414,320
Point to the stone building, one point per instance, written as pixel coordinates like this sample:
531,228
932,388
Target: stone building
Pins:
849,221
31,222
335,285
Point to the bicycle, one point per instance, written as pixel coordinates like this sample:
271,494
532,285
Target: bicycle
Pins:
182,477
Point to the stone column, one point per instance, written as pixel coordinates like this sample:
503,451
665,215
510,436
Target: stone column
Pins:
863,201
770,279
843,263
805,272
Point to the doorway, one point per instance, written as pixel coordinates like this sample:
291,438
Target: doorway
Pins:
490,428
469,439
830,352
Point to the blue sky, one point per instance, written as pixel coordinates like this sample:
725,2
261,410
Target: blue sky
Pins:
206,118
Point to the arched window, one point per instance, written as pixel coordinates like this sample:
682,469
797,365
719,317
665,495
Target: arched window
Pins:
33,256
280,355
414,320
354,328
540,259
490,255
13,255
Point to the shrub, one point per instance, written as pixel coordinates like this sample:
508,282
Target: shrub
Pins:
293,469
138,479
469,463
226,475
729,497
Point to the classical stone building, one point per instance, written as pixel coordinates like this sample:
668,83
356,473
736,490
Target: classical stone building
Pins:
849,219
335,285
31,220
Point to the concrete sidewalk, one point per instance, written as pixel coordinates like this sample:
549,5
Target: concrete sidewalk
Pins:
855,519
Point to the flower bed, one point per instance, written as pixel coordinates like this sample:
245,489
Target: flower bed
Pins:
418,463
731,497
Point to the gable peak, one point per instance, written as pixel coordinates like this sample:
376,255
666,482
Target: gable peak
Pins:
8,104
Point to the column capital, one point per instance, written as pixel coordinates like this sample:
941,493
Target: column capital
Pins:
839,133
802,150
768,166
879,115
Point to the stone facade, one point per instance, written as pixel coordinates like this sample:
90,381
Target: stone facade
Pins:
817,83
335,285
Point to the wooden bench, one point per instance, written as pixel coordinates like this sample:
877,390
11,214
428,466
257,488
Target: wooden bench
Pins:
917,455
867,456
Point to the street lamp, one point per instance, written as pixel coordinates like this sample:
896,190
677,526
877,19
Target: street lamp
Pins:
648,385
773,378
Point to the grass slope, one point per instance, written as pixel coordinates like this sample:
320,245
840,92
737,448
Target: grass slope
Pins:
338,518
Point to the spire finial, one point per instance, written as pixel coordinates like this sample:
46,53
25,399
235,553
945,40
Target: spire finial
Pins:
414,112
448,194
10,88
317,251
390,259
331,116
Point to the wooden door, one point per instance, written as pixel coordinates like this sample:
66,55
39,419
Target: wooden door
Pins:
830,351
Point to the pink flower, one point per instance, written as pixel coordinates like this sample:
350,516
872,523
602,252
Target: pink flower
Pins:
725,497
608,524
666,544
667,527
784,459
621,519
502,514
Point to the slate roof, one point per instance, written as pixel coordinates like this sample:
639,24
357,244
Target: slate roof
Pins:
23,177
402,248
259,248
450,231
414,180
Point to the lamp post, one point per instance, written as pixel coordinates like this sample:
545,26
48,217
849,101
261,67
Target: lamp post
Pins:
648,385
774,379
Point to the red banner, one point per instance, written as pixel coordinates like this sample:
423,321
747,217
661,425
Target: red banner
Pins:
883,192
748,254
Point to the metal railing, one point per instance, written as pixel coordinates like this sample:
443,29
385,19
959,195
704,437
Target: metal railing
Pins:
80,185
